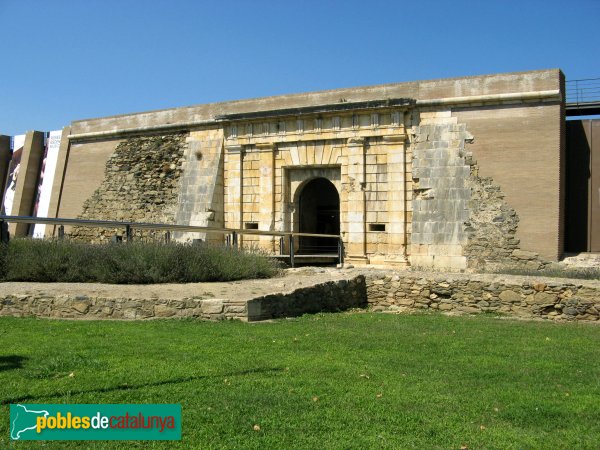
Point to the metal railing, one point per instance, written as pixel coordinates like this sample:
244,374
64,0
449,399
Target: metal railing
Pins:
231,234
583,91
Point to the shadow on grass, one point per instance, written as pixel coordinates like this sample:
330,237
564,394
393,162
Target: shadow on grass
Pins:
10,362
127,387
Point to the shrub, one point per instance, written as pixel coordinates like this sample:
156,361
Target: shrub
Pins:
130,263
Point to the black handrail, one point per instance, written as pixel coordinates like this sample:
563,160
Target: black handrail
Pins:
130,226
583,91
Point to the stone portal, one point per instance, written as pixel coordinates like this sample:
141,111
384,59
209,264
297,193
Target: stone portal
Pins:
319,207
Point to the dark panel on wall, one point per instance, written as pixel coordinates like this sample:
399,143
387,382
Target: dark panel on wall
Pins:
593,133
582,220
577,187
5,155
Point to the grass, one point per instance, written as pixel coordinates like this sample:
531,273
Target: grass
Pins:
324,381
130,263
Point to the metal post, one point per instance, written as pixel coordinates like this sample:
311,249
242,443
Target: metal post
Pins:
4,234
234,238
227,240
340,251
281,245
167,237
128,233
291,250
61,232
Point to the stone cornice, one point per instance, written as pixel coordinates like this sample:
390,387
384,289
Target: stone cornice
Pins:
352,125
552,95
321,109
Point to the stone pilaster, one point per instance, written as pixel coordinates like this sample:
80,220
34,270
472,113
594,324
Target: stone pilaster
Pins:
441,196
397,199
233,186
354,185
59,178
26,188
201,188
266,207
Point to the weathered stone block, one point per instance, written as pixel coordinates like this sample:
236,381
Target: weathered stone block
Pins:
451,262
570,311
164,311
129,314
509,296
524,255
81,307
545,298
421,260
212,306
235,309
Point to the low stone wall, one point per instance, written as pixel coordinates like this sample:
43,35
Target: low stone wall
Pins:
329,296
529,297
91,307
521,296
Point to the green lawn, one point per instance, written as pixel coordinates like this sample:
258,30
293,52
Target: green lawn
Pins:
326,381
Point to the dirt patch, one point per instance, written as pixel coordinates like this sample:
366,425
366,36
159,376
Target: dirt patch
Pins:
291,280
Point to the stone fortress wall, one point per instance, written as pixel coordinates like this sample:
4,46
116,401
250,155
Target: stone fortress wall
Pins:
328,296
454,174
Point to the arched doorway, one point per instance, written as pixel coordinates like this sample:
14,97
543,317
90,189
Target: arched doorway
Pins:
319,208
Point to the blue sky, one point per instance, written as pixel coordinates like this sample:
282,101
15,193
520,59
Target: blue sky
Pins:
68,60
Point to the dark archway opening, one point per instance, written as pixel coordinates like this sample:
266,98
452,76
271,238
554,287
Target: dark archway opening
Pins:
319,207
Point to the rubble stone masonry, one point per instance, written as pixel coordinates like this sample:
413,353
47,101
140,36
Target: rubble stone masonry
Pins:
513,295
141,184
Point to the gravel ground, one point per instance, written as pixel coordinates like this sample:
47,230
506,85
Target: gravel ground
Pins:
245,289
